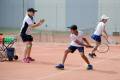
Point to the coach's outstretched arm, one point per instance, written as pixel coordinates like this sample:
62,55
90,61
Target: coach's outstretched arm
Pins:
39,23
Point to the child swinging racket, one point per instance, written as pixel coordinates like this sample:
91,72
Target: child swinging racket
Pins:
77,43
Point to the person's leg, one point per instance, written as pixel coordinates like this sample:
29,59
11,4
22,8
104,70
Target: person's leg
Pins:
96,46
70,49
89,67
29,52
30,38
97,40
65,55
23,37
85,58
25,52
92,54
61,66
29,48
81,50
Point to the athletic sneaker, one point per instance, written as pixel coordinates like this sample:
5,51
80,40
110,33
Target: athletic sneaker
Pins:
90,67
31,59
92,55
25,60
60,66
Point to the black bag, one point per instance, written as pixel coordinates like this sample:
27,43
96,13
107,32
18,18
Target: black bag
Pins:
10,53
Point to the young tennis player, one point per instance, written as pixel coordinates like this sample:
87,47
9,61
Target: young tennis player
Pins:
77,43
25,33
100,31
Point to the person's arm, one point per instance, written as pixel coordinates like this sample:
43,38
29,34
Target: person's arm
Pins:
73,38
106,35
79,43
86,41
37,24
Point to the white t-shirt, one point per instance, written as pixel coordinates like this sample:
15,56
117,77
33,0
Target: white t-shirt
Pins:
26,29
99,29
74,37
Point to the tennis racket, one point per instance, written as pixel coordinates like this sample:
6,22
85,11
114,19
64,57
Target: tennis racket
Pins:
104,46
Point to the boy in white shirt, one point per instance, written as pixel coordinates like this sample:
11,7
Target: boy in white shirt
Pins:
77,40
100,31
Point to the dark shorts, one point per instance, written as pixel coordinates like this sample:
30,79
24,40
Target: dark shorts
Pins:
26,38
96,38
74,48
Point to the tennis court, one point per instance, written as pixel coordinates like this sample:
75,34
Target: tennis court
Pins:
48,54
52,25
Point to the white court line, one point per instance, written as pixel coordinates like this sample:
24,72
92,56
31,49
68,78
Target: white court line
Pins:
60,73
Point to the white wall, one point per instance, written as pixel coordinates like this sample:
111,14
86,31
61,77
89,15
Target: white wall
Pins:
61,13
112,9
83,13
53,11
12,12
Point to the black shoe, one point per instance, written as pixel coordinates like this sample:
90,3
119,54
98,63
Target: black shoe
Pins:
90,67
60,66
92,55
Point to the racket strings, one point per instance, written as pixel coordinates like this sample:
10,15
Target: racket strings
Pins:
103,48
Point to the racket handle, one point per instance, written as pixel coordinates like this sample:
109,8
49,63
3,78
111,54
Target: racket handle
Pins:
90,46
108,41
86,45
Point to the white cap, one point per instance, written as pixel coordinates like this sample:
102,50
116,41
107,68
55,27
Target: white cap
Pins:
104,17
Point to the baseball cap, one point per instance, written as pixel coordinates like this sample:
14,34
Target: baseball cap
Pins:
73,27
31,10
